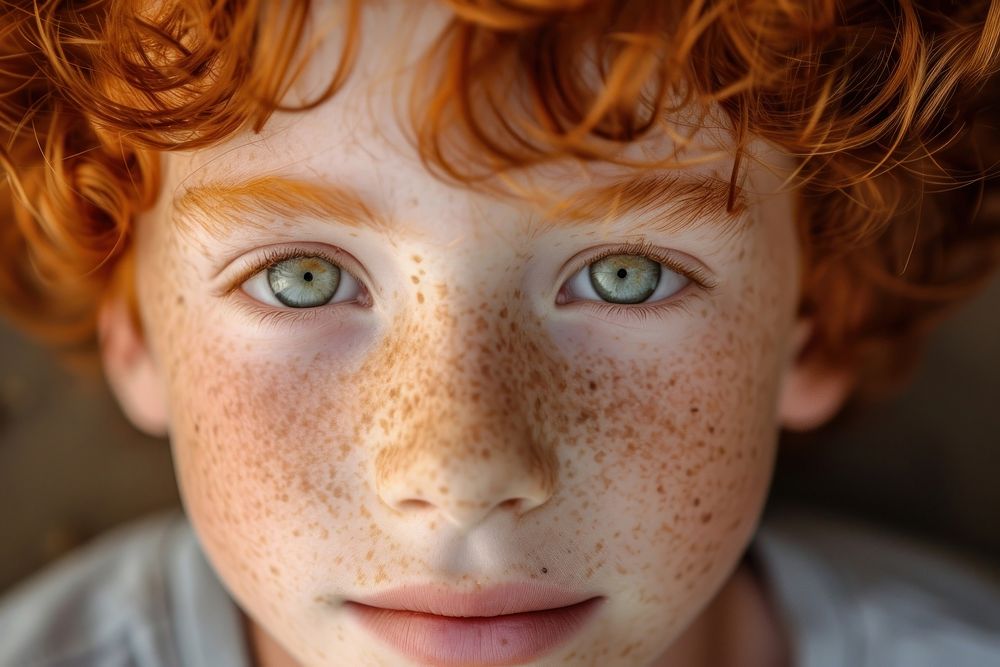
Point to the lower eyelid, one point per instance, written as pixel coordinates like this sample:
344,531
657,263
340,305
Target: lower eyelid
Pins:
661,309
681,294
266,316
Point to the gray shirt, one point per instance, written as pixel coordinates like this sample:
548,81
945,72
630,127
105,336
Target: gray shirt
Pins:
141,596
144,596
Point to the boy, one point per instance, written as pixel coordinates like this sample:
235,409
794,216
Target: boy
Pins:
472,327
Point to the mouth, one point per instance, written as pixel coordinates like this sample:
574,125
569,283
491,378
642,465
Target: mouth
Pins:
504,625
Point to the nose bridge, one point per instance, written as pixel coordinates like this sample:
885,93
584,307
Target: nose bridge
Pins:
462,444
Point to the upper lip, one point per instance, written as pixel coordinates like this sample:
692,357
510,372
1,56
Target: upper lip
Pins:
509,598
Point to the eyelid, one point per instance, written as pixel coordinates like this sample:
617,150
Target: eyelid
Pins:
250,264
691,268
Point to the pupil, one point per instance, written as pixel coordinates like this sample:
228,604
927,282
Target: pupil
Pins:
307,276
622,273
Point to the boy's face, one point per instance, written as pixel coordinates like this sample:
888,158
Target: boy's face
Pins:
466,411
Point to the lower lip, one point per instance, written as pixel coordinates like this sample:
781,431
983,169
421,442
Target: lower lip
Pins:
492,640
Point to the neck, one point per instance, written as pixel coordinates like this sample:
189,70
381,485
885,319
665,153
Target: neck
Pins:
264,650
739,628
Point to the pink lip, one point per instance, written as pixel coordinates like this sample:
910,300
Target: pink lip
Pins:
503,625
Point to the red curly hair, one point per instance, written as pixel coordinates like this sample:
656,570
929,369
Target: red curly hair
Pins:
889,108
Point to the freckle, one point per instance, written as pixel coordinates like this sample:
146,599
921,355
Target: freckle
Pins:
503,312
417,259
660,489
420,297
370,554
443,490
697,501
485,453
706,517
180,300
592,385
414,279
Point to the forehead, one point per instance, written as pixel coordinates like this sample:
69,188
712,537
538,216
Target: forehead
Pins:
357,146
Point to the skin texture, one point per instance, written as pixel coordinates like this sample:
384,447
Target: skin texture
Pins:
461,421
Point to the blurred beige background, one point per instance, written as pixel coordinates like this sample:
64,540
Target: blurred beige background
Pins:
926,463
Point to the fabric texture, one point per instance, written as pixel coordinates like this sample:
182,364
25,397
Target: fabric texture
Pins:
853,596
140,596
145,596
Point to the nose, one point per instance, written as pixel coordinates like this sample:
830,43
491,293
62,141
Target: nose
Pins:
461,436
465,488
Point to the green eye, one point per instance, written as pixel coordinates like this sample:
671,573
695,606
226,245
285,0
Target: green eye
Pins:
625,278
303,282
288,279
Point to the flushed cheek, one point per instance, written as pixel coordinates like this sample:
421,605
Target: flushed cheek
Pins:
266,467
676,454
667,441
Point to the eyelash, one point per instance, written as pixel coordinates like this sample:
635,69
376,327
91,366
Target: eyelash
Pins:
659,308
270,316
277,316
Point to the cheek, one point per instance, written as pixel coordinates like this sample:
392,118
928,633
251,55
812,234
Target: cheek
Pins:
270,476
262,439
669,456
260,431
670,441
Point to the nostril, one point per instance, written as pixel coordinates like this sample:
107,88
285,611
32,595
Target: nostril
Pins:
511,504
515,505
413,504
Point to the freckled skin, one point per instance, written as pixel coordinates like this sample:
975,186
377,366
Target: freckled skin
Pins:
463,428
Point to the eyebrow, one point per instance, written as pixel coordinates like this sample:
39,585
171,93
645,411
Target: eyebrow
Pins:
666,202
676,201
218,206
